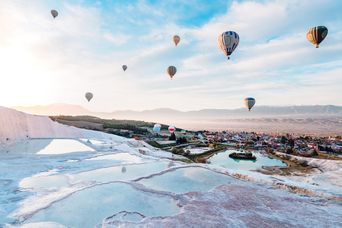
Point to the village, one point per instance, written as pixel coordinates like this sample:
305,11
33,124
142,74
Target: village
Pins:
201,142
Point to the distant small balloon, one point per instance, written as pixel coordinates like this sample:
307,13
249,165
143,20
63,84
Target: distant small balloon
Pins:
123,169
124,67
156,128
171,70
172,129
176,39
249,103
54,13
88,96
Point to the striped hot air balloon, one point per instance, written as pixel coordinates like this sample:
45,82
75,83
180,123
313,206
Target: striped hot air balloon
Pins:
249,103
176,39
228,41
171,70
316,35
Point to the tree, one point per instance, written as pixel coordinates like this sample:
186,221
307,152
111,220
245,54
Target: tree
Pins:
172,136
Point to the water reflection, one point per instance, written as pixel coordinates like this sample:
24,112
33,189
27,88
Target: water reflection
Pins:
222,159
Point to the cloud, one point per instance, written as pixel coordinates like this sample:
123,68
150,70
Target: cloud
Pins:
85,47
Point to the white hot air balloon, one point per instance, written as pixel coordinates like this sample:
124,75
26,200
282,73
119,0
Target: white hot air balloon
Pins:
89,96
156,128
228,41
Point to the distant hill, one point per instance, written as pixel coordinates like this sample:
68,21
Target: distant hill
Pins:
315,119
257,112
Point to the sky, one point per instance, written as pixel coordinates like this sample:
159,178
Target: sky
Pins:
45,60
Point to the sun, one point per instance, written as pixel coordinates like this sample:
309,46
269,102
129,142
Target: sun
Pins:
23,80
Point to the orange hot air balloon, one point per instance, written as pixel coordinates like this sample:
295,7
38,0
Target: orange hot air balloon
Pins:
176,39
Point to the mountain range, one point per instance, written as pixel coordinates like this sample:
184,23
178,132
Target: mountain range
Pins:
310,119
256,112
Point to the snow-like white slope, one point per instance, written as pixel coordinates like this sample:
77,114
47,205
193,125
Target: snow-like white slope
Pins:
15,125
127,183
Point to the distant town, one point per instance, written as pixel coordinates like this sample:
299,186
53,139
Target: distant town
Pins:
199,145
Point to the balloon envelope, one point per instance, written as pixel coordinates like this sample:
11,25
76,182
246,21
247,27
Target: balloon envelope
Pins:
176,39
156,128
172,129
124,67
88,96
316,35
54,13
228,41
171,71
249,102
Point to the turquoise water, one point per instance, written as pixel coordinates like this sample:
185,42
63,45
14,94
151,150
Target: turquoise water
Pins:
187,180
222,159
89,207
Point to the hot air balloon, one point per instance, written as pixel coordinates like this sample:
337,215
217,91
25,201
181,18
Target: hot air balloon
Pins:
176,39
183,132
227,42
156,128
54,13
316,35
124,67
171,70
88,96
249,102
172,129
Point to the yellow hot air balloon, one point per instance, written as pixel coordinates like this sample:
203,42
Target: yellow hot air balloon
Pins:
54,13
171,70
316,35
176,39
249,103
89,96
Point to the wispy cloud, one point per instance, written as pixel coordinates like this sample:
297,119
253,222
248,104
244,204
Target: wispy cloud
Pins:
84,48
